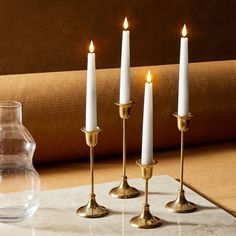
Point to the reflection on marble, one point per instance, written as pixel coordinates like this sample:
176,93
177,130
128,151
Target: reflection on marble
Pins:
57,214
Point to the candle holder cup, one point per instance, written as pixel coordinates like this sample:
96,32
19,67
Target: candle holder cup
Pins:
146,220
124,190
92,209
181,205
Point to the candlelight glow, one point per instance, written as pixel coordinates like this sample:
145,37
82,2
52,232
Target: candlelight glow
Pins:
149,77
91,47
184,31
125,25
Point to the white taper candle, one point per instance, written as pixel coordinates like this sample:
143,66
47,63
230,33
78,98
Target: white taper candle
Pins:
147,135
183,94
91,97
125,66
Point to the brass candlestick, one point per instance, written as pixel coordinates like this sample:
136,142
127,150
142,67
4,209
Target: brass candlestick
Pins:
92,209
124,190
181,205
146,220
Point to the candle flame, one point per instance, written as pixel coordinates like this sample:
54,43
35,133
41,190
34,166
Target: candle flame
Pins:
184,31
125,24
149,77
91,47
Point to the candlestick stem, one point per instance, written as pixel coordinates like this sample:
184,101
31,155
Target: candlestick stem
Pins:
181,205
124,190
146,191
124,148
92,209
92,170
146,220
182,161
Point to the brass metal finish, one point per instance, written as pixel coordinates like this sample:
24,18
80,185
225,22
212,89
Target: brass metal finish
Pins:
181,205
92,209
183,121
146,220
125,110
124,191
146,170
91,137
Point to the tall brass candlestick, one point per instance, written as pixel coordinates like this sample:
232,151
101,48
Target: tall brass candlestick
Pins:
92,209
146,220
124,190
181,205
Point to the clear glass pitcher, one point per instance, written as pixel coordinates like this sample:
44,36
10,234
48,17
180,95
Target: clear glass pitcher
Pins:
19,181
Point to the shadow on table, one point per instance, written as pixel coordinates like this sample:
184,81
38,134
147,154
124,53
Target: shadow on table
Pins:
171,223
202,208
160,193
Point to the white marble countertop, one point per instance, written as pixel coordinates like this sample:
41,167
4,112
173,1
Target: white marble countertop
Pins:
57,213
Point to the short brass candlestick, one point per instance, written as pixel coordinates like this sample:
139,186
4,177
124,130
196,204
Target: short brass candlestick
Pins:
92,209
181,205
124,190
146,220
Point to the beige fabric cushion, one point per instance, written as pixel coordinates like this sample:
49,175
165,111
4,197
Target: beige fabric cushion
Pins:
54,108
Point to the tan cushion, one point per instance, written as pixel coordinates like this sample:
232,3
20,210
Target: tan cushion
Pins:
54,108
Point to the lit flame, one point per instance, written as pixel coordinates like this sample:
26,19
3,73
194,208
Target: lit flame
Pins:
149,77
91,47
125,24
184,31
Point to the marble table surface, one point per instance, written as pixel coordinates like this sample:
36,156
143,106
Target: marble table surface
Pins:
57,213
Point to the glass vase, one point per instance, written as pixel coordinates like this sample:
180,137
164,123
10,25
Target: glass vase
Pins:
19,181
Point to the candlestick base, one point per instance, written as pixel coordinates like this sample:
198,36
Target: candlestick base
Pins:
124,191
181,205
92,209
145,220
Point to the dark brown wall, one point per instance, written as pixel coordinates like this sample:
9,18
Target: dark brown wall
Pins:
53,35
